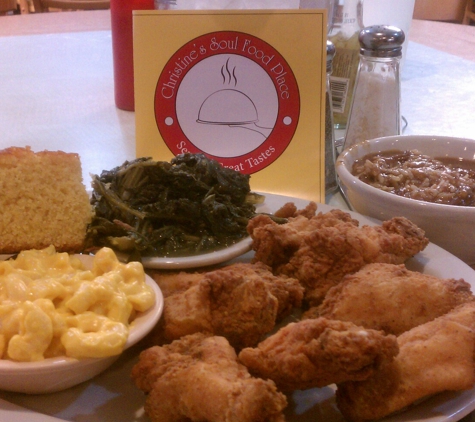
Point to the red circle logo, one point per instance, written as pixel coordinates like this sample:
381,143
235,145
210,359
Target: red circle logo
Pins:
231,96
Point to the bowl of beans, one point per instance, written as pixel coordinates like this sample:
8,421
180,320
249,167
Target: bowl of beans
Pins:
427,179
67,318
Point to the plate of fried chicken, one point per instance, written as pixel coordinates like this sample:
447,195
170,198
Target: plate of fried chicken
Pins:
331,317
325,315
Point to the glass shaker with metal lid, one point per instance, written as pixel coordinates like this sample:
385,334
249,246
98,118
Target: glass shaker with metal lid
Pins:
346,26
165,4
330,155
375,110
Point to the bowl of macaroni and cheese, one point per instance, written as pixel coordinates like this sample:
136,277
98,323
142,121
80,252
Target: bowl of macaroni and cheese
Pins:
66,318
427,179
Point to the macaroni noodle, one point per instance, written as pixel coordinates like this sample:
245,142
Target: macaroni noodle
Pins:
51,305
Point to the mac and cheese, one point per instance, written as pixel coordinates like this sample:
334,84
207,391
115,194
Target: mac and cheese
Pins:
51,305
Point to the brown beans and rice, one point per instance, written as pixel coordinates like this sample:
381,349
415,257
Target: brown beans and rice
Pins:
417,176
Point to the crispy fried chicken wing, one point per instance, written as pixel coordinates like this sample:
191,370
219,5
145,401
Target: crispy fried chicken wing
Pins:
389,297
433,357
320,250
198,378
318,352
241,302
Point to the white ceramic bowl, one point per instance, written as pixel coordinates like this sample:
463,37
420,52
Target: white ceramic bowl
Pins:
448,226
56,374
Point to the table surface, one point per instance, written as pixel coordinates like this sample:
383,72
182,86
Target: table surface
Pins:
458,40
56,86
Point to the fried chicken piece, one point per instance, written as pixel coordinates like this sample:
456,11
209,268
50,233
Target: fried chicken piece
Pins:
176,282
241,302
288,291
389,297
433,357
170,283
319,251
187,312
274,244
318,352
198,378
289,209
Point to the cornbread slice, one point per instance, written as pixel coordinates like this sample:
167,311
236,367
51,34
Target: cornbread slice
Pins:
43,201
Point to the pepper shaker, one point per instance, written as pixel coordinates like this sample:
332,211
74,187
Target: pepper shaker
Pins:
375,111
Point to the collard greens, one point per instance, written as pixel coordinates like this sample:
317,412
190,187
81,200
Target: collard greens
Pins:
157,208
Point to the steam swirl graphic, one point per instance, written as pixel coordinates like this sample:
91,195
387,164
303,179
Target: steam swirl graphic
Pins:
228,76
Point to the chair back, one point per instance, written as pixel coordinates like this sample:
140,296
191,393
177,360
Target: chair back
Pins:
7,6
45,5
469,14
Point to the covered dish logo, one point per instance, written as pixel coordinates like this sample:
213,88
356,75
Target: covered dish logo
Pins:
230,96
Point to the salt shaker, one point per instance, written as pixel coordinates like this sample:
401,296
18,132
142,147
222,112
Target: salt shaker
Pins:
330,155
375,111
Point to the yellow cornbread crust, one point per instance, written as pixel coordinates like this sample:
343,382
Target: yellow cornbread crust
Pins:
43,201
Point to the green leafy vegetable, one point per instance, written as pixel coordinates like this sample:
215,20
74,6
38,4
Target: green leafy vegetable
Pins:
156,208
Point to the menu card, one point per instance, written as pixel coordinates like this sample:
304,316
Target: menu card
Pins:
244,87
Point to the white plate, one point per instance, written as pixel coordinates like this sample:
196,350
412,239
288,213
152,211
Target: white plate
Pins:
196,261
206,259
112,397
